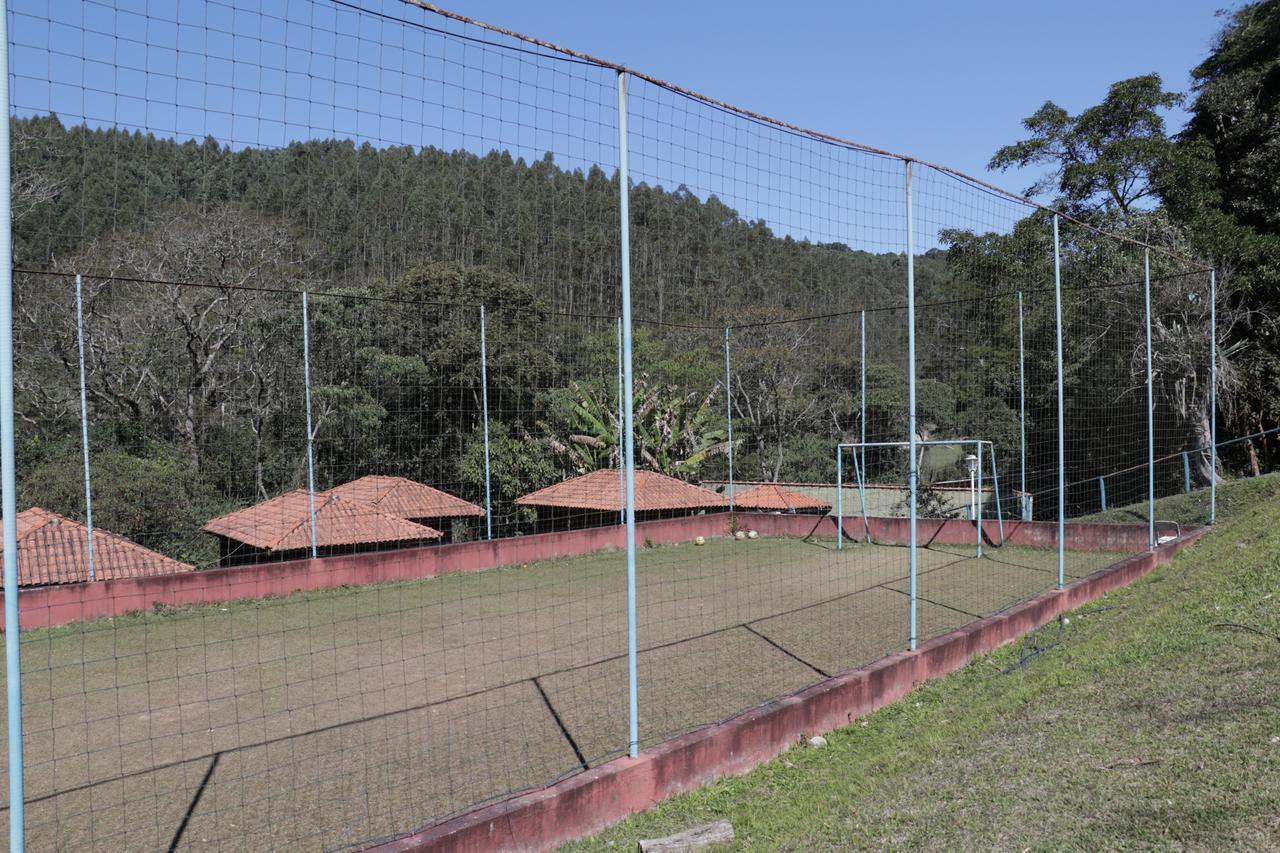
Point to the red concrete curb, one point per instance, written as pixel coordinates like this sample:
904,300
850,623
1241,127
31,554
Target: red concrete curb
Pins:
588,802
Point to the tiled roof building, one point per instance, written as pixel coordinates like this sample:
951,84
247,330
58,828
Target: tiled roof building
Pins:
770,497
596,498
54,549
280,529
409,500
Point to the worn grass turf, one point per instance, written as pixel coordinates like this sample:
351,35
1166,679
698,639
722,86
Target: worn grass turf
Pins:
1149,720
329,718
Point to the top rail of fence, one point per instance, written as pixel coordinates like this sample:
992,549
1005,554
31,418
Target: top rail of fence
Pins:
751,115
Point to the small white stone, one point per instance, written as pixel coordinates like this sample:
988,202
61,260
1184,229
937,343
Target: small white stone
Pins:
817,741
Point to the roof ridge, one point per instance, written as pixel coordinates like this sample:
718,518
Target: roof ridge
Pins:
325,496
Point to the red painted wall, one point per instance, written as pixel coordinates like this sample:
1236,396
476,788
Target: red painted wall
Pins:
57,605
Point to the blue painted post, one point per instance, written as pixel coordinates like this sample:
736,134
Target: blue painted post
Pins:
484,405
862,393
1062,438
977,503
839,497
84,426
629,464
1213,396
1022,416
728,408
1151,409
306,382
912,473
1102,492
8,477
622,469
995,485
1186,472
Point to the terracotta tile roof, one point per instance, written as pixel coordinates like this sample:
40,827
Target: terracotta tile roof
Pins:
773,497
284,524
601,490
405,498
55,549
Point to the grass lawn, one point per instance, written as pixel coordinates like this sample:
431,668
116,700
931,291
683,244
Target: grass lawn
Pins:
1145,721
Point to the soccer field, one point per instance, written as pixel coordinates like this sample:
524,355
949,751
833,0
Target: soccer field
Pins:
343,716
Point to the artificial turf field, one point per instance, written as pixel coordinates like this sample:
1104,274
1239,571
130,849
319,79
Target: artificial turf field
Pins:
329,719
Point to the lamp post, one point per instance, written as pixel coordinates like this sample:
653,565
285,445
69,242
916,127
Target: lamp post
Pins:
971,462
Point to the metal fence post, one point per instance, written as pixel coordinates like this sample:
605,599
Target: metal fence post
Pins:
84,426
1213,396
1186,472
995,486
628,414
8,476
977,508
1062,438
912,473
1022,416
306,382
728,407
862,392
1151,408
484,405
839,497
622,468
1102,492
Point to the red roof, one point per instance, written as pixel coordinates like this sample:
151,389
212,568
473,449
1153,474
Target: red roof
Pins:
774,498
405,498
602,490
55,549
284,524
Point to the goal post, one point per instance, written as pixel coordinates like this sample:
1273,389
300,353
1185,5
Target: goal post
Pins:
981,453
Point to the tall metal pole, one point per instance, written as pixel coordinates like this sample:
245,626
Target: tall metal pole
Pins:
622,473
977,498
1213,396
84,426
8,477
484,405
839,497
912,472
1151,408
862,390
624,186
728,407
1022,414
311,459
1062,437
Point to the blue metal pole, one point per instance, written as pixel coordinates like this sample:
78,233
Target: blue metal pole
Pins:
8,474
728,408
995,485
1062,438
862,393
622,472
628,415
912,473
84,426
306,381
1151,409
1186,471
839,497
1213,396
1022,413
977,501
484,405
1102,492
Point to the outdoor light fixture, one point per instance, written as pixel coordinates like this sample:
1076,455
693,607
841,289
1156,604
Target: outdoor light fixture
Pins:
971,462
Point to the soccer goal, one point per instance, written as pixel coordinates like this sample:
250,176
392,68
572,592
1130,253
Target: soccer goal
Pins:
973,450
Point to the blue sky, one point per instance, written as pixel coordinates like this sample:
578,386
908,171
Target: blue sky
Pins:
942,81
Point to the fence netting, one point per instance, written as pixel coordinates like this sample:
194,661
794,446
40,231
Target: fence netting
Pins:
321,429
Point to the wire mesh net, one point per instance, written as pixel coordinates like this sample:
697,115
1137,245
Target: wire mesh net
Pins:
322,429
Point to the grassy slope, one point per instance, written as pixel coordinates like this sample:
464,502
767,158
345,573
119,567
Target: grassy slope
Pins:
1142,723
1193,508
